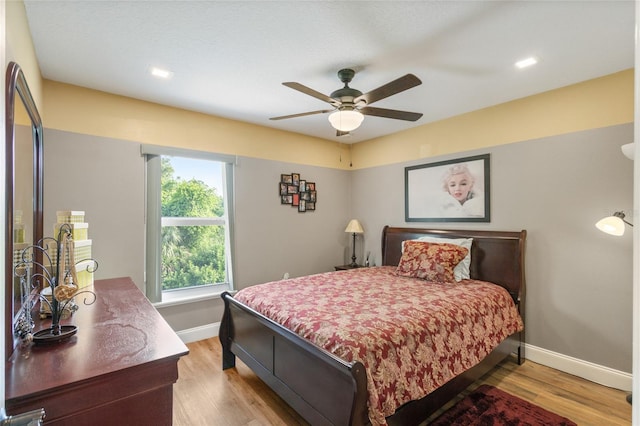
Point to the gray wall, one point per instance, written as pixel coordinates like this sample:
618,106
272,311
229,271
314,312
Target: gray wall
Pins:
272,238
579,280
105,178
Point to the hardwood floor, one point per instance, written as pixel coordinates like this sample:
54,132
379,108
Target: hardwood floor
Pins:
206,395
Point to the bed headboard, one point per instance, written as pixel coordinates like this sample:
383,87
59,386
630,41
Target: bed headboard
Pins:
496,256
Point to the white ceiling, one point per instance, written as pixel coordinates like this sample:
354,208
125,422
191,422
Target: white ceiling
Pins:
229,58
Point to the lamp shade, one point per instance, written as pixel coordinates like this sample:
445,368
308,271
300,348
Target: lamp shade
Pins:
613,225
346,120
354,227
629,150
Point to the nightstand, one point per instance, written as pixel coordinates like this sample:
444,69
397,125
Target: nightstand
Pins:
345,267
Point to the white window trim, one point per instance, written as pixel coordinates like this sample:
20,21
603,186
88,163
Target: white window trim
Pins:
154,222
189,295
193,221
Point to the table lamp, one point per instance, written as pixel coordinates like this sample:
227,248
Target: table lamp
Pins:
355,228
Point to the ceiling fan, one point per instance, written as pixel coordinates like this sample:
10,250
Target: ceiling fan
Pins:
351,105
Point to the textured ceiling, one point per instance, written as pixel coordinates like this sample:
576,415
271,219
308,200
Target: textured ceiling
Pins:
229,58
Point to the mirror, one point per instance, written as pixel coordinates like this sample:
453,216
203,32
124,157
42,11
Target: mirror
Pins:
23,188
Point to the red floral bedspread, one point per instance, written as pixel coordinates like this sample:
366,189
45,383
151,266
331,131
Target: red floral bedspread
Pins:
411,335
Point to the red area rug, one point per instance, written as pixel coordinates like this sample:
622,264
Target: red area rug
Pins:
489,406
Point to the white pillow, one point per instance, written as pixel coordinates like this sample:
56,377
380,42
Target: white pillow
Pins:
461,271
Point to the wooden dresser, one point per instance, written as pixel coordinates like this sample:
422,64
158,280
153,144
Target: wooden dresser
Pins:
118,369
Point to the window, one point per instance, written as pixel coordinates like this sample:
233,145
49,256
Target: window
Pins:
189,226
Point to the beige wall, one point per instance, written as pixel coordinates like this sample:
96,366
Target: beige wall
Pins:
20,48
597,103
75,109
601,102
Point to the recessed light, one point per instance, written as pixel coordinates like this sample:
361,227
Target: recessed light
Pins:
526,62
161,73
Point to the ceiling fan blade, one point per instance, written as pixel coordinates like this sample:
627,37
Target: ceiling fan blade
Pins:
396,86
391,113
302,114
308,91
341,133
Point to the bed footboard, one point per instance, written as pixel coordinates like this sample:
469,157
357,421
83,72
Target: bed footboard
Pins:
321,387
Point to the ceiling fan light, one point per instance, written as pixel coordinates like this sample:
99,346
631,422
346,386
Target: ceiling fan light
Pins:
346,120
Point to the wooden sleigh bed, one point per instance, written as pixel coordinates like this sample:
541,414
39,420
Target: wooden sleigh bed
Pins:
327,390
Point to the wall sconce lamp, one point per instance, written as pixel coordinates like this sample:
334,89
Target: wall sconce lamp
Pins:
629,150
355,228
614,224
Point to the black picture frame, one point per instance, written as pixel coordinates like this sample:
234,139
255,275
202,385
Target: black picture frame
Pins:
449,191
297,192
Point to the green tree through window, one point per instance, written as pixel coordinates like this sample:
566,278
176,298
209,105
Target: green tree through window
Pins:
193,243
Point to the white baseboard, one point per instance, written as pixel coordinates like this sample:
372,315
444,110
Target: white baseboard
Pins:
587,370
199,333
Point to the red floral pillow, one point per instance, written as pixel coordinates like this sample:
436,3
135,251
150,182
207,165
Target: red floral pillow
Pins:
430,261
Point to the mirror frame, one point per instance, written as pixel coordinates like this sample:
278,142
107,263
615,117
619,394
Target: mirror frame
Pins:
16,84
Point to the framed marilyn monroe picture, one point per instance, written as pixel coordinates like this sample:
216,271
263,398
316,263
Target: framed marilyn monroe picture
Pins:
448,191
